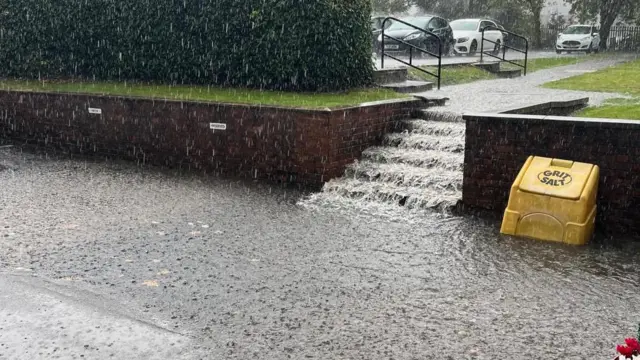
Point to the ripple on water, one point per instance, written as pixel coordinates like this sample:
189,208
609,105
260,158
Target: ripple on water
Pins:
344,277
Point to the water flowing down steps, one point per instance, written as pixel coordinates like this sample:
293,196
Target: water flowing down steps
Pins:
418,168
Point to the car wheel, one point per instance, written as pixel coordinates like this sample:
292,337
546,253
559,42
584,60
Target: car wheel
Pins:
589,49
473,49
449,50
428,47
433,48
498,47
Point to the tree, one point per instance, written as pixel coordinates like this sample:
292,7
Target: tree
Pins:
511,15
534,7
520,15
449,9
608,11
557,21
480,7
390,6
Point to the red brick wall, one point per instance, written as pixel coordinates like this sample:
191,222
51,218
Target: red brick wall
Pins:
498,145
304,146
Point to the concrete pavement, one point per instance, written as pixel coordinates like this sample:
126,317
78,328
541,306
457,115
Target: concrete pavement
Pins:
44,320
465,60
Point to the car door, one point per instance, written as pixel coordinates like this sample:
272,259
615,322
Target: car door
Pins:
495,33
490,35
596,37
447,35
439,27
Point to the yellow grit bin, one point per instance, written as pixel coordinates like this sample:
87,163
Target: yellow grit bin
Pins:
554,200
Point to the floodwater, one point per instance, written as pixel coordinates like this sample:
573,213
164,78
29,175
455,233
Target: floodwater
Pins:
417,167
250,271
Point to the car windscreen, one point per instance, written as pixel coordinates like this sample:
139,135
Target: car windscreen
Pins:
418,22
465,25
578,30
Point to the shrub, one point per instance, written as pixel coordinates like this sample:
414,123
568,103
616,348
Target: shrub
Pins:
271,44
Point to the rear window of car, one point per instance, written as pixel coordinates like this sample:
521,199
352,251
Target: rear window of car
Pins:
438,23
418,22
578,30
465,25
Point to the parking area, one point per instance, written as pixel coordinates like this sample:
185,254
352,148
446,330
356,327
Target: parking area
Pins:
464,60
421,40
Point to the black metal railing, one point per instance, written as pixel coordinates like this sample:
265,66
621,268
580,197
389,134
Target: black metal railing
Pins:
502,48
383,52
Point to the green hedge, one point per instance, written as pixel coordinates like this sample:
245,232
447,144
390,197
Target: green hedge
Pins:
271,44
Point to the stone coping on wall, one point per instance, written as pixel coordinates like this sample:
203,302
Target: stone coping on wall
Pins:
582,121
562,107
401,99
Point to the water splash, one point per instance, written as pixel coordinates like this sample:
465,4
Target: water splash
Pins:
416,169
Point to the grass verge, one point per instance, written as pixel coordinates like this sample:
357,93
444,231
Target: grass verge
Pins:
624,79
534,65
614,109
204,93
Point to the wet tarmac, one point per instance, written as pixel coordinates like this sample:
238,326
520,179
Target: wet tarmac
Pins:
239,270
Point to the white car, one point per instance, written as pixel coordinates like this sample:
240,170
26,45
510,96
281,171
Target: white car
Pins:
468,35
579,38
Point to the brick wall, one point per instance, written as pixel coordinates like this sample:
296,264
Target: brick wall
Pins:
498,145
298,145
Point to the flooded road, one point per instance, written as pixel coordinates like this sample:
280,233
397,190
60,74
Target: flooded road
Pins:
247,271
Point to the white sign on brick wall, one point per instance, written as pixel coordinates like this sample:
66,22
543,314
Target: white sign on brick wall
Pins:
217,126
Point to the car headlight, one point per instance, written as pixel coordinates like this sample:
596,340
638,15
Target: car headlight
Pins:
586,38
412,36
463,39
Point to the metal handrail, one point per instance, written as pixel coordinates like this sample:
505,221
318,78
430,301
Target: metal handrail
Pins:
505,47
411,47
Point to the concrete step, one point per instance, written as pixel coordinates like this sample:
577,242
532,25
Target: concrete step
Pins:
509,73
434,127
433,100
428,114
434,197
390,76
416,157
405,175
490,66
495,68
409,86
424,142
